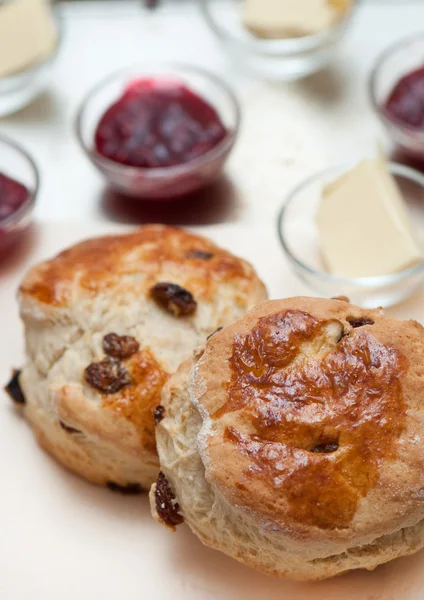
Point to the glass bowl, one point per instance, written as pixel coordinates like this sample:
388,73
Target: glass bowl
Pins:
17,164
18,90
162,183
298,234
398,60
275,59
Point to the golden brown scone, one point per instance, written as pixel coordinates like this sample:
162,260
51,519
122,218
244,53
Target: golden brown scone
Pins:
106,322
294,440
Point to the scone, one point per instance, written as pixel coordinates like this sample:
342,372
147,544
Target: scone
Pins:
293,441
106,322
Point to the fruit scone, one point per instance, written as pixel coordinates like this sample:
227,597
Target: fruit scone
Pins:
293,440
106,322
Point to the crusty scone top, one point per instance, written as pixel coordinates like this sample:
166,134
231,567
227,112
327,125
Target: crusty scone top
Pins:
313,419
133,261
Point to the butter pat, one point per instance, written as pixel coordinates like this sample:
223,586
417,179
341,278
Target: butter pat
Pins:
28,35
291,18
363,224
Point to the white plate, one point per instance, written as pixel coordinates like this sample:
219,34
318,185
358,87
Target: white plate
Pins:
63,539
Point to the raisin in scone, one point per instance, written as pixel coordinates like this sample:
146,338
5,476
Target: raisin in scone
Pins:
293,441
106,322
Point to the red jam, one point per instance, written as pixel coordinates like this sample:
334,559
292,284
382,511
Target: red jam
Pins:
406,101
12,196
158,123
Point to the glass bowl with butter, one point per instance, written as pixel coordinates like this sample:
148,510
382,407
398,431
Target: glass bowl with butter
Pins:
357,230
279,39
30,38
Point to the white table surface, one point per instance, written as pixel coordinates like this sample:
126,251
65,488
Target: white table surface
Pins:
288,130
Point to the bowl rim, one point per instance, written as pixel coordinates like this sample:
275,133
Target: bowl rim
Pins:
33,69
29,203
224,146
387,53
279,46
365,282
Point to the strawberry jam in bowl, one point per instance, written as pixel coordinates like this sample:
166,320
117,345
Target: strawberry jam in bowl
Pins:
397,94
159,131
19,181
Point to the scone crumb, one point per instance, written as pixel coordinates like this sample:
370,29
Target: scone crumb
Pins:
166,505
120,346
174,298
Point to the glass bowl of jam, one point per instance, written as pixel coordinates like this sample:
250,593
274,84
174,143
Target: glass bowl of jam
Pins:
159,131
275,51
397,94
19,182
299,237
